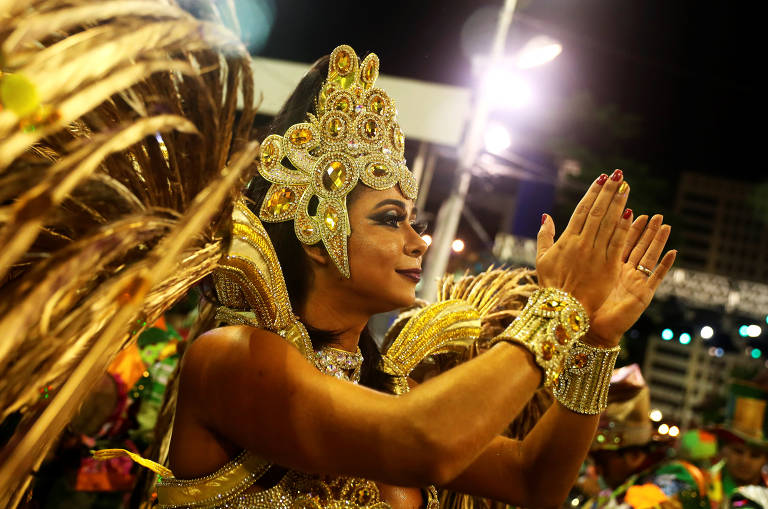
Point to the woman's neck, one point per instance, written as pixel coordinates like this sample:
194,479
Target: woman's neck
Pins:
331,313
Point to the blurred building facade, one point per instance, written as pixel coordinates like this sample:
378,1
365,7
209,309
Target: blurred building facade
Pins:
721,228
685,380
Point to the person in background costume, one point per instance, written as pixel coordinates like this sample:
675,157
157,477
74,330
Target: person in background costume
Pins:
324,237
743,448
633,471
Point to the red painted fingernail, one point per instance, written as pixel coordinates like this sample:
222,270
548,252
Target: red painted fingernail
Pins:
627,214
616,175
543,218
602,179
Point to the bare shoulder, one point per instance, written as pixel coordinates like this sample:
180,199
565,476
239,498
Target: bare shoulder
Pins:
236,345
228,357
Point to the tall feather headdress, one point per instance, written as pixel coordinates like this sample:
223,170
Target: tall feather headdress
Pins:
121,151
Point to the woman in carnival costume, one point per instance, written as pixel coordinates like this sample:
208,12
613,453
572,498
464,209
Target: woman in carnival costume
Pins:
288,403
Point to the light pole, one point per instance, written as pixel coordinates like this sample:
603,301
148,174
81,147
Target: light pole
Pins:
448,216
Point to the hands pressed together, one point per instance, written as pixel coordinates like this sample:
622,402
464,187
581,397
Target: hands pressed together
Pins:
600,257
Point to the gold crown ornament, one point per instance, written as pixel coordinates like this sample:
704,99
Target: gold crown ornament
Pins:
353,138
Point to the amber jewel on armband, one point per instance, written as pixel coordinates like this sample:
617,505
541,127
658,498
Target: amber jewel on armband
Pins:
354,137
583,384
548,325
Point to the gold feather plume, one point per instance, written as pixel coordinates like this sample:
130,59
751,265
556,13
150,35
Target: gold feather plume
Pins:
117,172
497,297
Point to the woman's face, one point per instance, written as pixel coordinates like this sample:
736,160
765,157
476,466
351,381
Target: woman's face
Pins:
385,249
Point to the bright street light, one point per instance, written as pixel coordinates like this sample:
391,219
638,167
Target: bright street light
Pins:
457,246
685,338
655,415
538,51
447,221
497,138
427,238
505,89
754,330
667,334
707,332
663,429
674,431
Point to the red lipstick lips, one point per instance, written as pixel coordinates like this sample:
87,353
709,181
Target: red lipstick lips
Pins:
412,274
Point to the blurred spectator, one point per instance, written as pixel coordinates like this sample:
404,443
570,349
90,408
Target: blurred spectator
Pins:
120,412
699,447
743,448
633,470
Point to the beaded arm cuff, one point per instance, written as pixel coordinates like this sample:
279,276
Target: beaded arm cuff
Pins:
549,323
583,385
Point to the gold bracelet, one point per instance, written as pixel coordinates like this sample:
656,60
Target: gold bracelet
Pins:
549,323
583,385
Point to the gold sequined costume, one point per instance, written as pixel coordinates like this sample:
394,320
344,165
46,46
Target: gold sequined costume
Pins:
121,160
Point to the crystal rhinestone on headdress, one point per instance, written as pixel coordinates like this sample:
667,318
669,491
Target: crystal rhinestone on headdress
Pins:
354,137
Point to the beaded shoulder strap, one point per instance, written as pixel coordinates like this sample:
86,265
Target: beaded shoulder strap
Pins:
250,284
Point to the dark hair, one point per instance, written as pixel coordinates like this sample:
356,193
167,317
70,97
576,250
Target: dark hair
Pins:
290,253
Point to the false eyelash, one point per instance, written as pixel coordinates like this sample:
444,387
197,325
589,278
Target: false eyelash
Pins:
390,219
419,226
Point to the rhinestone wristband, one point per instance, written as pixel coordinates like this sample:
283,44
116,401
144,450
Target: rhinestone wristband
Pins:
583,385
549,323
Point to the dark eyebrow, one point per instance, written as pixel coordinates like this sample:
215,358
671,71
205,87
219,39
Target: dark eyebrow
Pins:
397,203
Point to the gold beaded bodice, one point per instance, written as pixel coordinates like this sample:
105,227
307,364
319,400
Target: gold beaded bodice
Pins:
234,486
252,291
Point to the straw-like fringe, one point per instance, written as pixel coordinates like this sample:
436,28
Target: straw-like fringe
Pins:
110,214
499,295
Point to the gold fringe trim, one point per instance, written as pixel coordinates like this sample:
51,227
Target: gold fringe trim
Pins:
107,454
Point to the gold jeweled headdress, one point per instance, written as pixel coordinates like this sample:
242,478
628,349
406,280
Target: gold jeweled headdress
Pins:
355,136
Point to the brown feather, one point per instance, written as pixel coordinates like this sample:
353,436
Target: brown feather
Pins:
111,213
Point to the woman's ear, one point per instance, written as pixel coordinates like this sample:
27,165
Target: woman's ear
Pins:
316,254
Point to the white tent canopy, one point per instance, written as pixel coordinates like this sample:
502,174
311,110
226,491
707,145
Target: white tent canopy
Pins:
426,111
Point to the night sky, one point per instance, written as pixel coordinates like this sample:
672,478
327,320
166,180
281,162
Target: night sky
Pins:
687,71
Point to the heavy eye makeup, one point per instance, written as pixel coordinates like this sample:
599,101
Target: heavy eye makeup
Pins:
393,218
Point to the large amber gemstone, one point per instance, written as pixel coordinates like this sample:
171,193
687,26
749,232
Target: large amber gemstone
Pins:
399,138
377,104
334,127
370,128
551,305
379,170
301,136
331,219
343,62
547,350
342,104
369,73
269,153
561,335
308,231
580,360
575,322
280,201
334,176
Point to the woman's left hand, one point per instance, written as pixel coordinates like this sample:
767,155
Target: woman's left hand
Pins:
634,289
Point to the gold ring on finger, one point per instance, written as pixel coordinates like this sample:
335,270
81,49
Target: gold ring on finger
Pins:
645,270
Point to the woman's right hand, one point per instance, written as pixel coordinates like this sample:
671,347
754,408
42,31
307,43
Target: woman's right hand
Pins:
586,259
